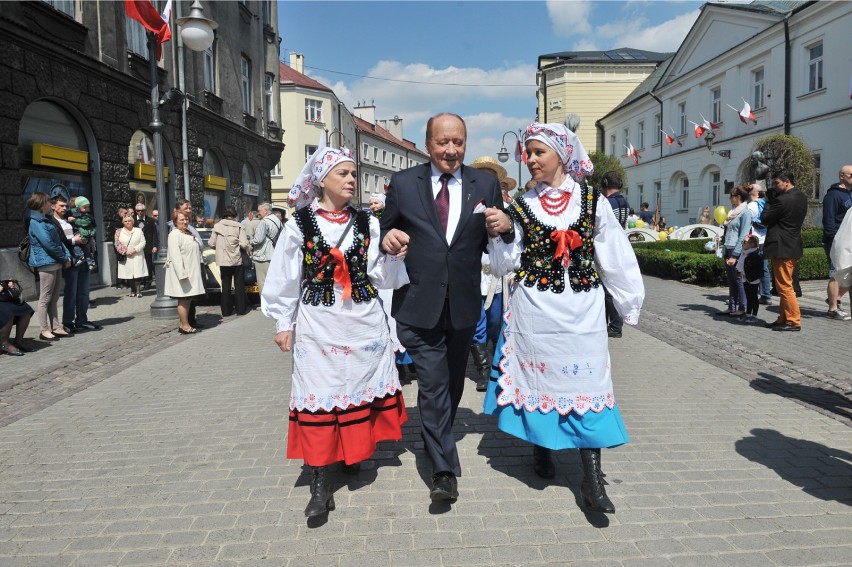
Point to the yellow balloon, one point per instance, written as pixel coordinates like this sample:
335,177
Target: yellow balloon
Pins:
640,224
670,229
720,214
663,235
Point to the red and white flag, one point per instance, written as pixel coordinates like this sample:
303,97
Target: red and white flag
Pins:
167,15
520,153
676,138
708,125
699,130
144,12
632,153
747,114
669,139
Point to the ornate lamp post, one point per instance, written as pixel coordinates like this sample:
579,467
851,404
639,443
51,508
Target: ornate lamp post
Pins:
197,34
503,154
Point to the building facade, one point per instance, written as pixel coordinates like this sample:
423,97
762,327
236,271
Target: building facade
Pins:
590,84
74,117
786,60
311,111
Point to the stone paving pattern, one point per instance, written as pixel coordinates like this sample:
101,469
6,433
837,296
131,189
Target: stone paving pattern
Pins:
171,451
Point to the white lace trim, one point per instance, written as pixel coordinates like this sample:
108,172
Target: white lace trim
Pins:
326,402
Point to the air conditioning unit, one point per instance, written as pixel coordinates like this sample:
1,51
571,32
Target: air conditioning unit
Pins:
555,103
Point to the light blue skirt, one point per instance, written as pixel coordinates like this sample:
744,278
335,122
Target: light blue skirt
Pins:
552,430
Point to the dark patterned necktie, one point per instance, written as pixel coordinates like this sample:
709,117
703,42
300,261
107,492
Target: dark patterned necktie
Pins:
442,201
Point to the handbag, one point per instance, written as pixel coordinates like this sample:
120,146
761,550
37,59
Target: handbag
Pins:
120,248
11,292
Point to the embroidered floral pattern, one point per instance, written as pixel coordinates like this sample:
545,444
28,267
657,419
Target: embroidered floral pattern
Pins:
314,402
319,283
539,267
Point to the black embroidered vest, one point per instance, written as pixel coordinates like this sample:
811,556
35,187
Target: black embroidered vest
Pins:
318,283
538,267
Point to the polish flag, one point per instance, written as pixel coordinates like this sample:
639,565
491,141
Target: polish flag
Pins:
520,153
747,114
676,139
167,15
144,12
699,130
669,139
708,125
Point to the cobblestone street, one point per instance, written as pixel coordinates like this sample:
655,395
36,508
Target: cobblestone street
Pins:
135,446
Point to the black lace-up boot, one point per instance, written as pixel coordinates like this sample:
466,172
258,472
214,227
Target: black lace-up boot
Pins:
322,498
592,489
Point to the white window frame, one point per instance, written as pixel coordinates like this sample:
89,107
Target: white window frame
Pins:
366,182
641,188
658,190
681,111
313,110
245,83
366,152
309,151
276,171
393,160
684,194
268,93
658,126
626,133
716,104
641,136
384,157
716,191
815,75
612,145
758,87
376,155
208,66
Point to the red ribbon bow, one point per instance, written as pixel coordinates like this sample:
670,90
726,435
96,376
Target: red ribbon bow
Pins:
566,240
341,270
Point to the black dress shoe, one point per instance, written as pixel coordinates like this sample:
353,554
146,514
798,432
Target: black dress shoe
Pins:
444,487
774,324
787,327
11,352
613,333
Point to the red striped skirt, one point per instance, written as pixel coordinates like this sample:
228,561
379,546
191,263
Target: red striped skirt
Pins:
324,437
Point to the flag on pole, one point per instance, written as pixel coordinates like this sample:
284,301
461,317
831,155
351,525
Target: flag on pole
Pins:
632,153
167,15
747,114
699,130
144,12
520,153
669,139
707,124
676,138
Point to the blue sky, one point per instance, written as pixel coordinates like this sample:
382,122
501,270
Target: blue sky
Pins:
490,48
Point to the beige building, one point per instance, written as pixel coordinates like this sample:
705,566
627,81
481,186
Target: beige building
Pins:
590,84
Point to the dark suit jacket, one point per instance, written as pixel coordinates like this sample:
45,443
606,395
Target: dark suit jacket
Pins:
438,270
149,232
783,216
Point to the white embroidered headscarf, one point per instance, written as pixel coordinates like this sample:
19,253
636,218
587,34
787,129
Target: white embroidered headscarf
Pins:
317,167
566,144
378,197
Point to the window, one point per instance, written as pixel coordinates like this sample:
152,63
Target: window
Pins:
376,180
757,88
626,133
366,179
641,189
64,6
658,127
266,12
366,152
376,155
209,68
393,160
268,85
681,118
309,151
384,157
684,194
276,171
313,110
137,42
245,83
716,104
815,67
817,174
641,138
612,145
658,203
716,188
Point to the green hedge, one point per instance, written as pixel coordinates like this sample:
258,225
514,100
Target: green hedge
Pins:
706,269
695,245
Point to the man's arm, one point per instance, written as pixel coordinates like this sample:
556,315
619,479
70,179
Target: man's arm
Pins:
259,234
829,212
393,238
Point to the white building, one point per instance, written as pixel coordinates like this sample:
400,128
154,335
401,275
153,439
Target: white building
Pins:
382,150
786,59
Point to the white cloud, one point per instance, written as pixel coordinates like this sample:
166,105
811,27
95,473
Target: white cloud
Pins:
485,136
666,36
569,17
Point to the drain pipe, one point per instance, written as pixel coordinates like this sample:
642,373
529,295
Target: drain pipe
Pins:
787,56
183,130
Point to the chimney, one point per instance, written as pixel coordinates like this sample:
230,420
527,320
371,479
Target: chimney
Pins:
297,62
394,126
366,112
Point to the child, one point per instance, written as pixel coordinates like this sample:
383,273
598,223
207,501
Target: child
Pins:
750,270
84,223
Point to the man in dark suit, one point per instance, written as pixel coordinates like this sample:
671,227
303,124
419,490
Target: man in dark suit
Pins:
436,215
149,230
783,216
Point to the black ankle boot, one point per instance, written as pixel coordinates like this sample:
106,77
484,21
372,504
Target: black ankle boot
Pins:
480,360
543,462
592,489
322,499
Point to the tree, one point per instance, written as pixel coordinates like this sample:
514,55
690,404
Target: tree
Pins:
603,163
781,151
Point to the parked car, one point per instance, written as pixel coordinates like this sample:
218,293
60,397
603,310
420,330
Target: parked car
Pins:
213,277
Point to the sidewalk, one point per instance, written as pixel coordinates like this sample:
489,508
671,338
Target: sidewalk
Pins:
178,458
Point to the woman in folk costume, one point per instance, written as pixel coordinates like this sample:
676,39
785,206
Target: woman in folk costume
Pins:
322,282
552,384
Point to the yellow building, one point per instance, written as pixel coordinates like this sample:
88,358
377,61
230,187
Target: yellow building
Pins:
590,84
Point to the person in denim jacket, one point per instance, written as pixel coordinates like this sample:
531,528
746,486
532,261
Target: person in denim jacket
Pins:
49,255
737,226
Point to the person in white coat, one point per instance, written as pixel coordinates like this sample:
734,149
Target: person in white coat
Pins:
130,242
183,270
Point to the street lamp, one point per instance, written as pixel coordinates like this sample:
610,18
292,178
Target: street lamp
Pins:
330,136
197,34
503,154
